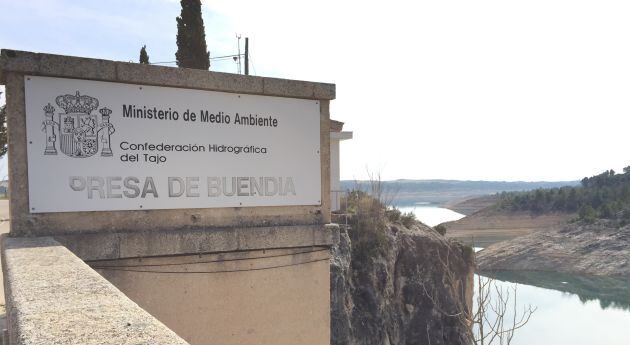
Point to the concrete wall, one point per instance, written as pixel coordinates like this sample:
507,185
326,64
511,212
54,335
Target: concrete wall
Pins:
279,297
277,294
335,166
335,184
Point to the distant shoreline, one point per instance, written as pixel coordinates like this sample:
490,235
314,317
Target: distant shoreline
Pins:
444,193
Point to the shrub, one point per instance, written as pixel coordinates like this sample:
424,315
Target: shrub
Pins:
393,215
368,221
587,214
441,229
408,219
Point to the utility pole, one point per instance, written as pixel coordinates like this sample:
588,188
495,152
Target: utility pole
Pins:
246,55
238,37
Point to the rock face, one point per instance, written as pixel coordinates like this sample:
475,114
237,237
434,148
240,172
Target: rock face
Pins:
600,249
403,293
490,226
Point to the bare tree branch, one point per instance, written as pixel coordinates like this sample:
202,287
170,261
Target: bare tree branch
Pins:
495,317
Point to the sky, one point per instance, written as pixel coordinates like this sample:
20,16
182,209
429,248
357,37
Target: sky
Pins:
474,90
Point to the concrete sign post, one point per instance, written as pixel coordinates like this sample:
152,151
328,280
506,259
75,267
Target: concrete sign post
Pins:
102,145
204,197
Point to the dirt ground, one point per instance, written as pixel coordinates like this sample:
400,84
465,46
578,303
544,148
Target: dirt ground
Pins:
469,205
482,229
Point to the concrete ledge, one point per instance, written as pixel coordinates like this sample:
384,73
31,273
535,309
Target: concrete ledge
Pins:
84,68
123,245
55,298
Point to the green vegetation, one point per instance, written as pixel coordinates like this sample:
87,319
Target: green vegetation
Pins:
395,216
144,57
192,51
368,225
604,196
441,229
369,218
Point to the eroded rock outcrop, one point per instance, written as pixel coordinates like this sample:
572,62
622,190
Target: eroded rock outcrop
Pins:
601,249
399,288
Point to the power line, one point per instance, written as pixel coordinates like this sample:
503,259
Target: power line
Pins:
226,57
161,62
251,60
209,261
220,271
235,57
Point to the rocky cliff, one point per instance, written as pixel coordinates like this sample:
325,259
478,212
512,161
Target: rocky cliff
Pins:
400,286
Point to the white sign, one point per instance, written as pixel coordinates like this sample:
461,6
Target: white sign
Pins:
96,146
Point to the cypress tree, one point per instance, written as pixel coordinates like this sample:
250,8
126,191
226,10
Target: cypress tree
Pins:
144,57
192,51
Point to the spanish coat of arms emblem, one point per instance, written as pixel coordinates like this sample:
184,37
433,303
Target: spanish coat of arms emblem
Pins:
80,133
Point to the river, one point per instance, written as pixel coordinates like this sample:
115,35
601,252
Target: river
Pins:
570,309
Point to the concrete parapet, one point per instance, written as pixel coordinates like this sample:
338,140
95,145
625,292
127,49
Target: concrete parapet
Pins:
24,62
55,298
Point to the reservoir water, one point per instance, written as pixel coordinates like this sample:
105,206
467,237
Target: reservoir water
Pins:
432,215
572,310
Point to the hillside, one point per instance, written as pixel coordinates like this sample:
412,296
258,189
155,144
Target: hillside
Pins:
604,196
489,226
440,192
601,248
592,239
468,206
